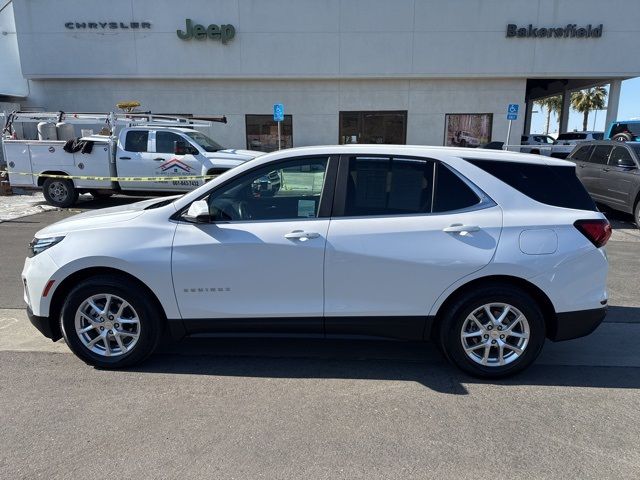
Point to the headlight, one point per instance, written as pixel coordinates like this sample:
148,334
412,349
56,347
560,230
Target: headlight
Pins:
39,245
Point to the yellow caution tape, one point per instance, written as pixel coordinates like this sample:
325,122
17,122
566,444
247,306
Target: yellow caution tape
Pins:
117,179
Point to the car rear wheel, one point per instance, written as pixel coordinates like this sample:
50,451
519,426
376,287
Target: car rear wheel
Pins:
107,323
493,332
636,214
60,192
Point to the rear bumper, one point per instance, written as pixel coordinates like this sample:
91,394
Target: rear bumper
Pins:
44,325
570,325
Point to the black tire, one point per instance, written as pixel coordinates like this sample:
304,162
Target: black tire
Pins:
60,192
97,194
535,151
454,318
151,321
463,143
622,137
636,214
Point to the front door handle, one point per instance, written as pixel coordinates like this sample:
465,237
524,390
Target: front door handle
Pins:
461,229
159,159
124,158
301,235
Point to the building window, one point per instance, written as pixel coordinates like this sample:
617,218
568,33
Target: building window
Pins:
262,132
385,127
467,129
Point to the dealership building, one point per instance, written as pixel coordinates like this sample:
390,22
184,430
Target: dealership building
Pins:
347,71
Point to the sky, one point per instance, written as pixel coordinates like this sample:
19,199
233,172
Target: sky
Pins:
628,108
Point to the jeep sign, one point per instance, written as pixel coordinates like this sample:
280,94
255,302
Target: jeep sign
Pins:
223,33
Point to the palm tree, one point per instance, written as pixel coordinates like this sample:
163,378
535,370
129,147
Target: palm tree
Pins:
586,100
550,104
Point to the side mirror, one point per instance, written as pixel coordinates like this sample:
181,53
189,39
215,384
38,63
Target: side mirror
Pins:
198,212
626,163
179,147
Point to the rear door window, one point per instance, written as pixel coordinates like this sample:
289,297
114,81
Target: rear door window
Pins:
451,192
401,186
136,141
552,185
582,154
600,154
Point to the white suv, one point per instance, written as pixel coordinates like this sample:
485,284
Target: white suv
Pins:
488,253
566,142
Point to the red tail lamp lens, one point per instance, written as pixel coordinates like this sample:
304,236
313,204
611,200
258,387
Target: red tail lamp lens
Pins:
597,231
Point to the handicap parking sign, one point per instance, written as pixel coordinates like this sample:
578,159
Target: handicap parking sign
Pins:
278,112
512,111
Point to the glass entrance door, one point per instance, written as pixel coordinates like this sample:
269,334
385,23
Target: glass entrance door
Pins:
382,127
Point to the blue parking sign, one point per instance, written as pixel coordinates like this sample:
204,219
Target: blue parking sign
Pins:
512,116
278,112
513,108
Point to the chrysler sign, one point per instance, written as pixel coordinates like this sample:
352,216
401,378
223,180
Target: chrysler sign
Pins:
569,31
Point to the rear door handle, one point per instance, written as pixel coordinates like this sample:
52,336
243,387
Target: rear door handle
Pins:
158,159
301,235
461,229
124,158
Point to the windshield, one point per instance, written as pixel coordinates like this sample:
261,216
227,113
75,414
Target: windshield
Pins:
205,142
572,136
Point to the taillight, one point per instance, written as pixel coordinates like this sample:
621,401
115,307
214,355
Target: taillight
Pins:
597,231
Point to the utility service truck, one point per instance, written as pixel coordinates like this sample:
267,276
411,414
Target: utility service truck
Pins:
135,153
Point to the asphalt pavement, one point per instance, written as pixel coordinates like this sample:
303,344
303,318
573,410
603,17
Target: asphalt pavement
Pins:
293,408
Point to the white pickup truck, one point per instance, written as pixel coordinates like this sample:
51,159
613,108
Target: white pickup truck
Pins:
137,152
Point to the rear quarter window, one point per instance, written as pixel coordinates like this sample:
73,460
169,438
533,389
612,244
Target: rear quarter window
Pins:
557,186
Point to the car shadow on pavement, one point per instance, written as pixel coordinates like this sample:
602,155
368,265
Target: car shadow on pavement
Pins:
361,360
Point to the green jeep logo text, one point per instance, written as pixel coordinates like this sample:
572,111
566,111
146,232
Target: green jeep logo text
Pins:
200,32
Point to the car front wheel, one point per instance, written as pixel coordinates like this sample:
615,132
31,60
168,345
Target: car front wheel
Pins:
493,332
108,323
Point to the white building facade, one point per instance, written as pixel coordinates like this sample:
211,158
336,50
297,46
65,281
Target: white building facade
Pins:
369,71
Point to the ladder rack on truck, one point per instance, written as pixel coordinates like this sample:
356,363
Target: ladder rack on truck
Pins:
133,153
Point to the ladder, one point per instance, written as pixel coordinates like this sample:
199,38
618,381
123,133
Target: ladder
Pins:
110,119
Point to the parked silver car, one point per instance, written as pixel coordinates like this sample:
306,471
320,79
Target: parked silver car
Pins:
610,171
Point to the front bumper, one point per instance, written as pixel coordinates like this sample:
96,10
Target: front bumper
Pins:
569,325
44,325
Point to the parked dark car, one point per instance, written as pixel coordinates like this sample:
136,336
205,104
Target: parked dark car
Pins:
610,171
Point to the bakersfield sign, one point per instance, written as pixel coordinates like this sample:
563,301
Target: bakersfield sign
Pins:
223,33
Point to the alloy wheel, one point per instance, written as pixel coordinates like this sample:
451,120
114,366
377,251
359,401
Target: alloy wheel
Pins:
495,334
107,325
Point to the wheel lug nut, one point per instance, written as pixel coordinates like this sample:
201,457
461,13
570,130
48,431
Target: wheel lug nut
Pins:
117,325
493,342
499,328
486,336
110,317
110,331
502,337
101,328
489,327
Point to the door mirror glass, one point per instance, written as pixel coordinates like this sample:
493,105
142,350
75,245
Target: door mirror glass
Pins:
198,212
180,147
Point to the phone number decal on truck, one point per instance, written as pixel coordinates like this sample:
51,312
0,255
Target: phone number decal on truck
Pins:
187,183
